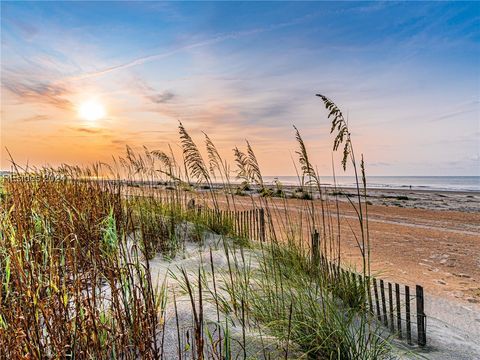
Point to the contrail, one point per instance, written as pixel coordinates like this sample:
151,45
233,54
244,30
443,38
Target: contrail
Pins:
214,40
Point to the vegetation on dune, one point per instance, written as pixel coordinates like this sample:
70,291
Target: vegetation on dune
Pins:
76,260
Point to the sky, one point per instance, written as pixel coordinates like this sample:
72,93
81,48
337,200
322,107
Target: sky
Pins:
405,74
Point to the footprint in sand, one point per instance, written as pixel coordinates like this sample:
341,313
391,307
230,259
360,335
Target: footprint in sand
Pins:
457,294
462,275
450,262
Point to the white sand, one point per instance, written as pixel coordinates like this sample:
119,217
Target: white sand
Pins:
453,330
194,256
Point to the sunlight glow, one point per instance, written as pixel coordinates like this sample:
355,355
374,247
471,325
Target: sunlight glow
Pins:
91,110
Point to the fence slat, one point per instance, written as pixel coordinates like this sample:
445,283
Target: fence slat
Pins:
390,307
369,293
399,310
251,222
384,305
262,225
375,290
407,315
258,226
421,328
242,224
237,227
315,249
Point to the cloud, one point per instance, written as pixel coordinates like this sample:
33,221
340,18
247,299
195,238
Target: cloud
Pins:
87,130
379,164
151,94
40,92
27,30
161,98
35,118
461,109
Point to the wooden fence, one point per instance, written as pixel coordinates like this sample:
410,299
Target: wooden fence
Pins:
249,224
391,303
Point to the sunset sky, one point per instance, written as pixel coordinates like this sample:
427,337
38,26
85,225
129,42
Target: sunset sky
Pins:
406,74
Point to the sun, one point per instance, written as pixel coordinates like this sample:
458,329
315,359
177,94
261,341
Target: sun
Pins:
91,110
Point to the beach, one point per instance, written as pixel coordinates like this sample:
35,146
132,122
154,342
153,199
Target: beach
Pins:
430,239
423,243
417,237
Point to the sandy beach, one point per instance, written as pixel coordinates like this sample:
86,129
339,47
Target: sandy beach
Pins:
430,239
417,237
439,249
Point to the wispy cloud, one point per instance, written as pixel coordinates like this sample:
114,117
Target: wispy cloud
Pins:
40,92
162,98
87,130
209,41
151,94
379,164
35,118
27,30
461,109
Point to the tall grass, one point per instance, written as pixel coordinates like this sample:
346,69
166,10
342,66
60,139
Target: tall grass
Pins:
70,287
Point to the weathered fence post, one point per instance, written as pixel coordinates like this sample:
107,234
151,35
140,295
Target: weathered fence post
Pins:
245,224
252,224
262,224
315,248
399,310
390,307
377,302
407,315
240,223
368,287
421,323
235,220
257,224
384,305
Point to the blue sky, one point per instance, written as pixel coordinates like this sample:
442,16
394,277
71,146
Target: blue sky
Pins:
406,74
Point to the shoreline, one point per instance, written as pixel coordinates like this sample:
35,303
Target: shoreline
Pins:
463,201
374,189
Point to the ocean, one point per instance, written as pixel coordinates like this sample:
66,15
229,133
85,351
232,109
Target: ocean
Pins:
428,183
433,183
